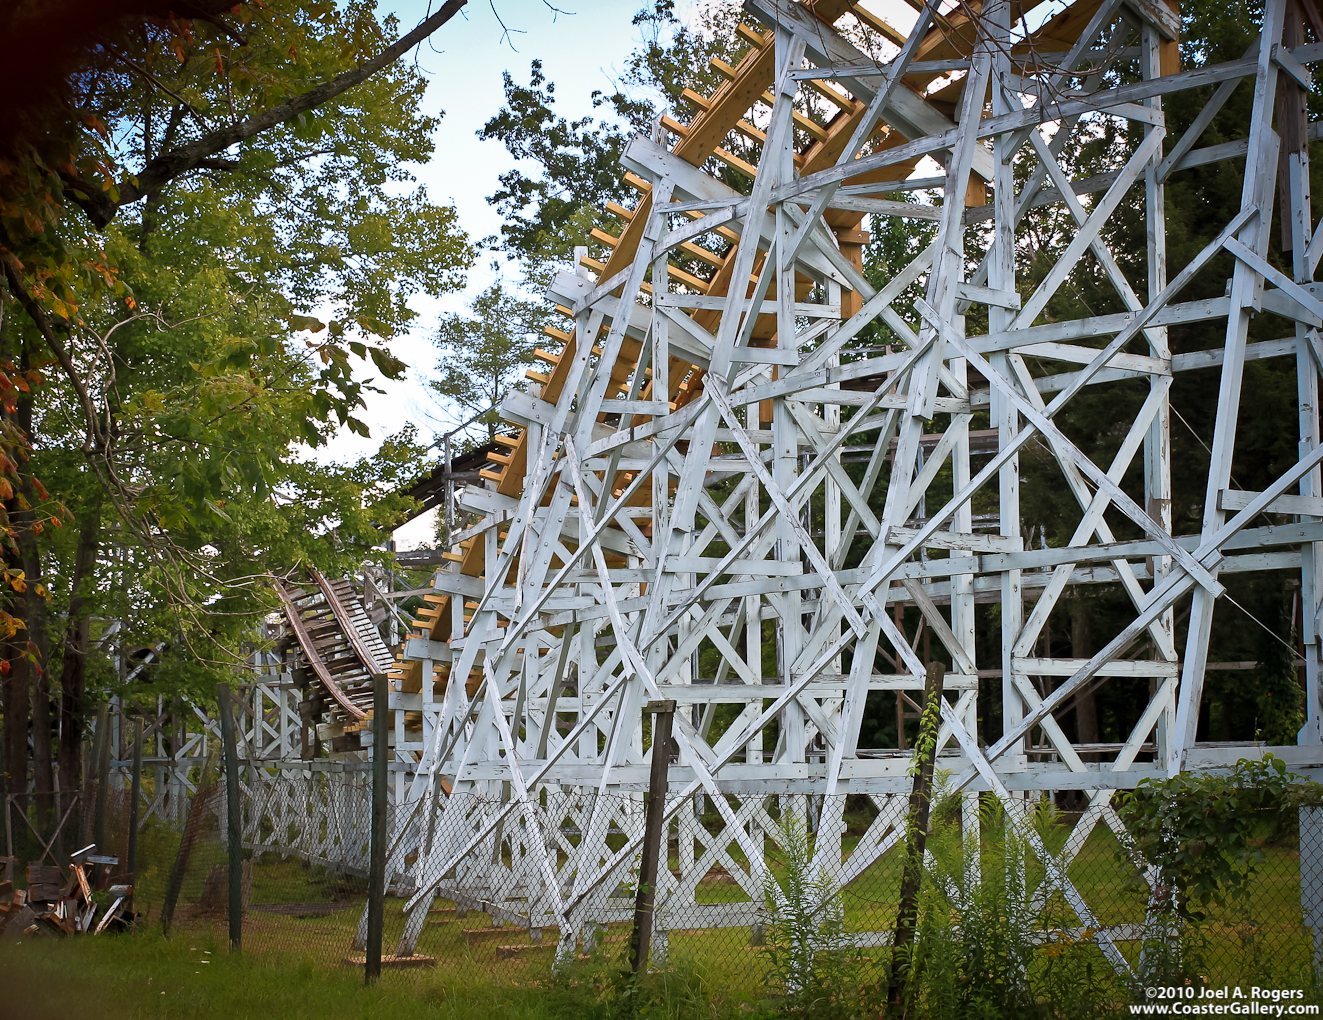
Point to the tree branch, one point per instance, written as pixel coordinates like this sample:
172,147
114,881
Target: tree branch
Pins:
166,89
94,441
225,27
101,209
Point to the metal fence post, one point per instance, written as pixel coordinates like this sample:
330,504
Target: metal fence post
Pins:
234,834
101,763
131,856
640,941
377,864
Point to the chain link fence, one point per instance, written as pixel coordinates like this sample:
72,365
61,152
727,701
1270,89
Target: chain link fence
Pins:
763,895
304,842
303,878
786,894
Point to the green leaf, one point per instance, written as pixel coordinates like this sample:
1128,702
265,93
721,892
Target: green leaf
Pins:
299,323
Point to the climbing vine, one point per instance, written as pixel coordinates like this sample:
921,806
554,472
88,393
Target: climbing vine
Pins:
1204,833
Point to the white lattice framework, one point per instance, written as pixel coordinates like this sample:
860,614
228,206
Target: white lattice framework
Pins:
679,483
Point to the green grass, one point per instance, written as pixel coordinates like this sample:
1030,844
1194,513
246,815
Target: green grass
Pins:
293,966
146,976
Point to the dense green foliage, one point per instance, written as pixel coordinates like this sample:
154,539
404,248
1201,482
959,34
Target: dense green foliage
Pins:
484,353
578,159
807,942
201,324
1204,832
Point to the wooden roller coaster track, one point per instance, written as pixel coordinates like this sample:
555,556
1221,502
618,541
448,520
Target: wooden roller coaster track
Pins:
340,645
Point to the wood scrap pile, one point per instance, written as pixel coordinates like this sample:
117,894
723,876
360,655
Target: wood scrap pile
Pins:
81,899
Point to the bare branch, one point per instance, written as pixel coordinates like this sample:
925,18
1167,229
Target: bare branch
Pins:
101,209
165,88
505,29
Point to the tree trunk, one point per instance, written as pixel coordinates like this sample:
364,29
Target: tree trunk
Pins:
16,718
43,763
43,769
1081,647
16,676
77,632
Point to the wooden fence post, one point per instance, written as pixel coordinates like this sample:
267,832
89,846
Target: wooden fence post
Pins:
916,836
234,815
377,863
640,942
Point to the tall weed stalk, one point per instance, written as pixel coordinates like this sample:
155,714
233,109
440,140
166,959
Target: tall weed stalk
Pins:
981,951
811,955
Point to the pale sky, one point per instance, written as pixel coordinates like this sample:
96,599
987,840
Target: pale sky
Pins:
580,53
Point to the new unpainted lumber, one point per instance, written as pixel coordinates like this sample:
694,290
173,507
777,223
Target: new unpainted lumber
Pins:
414,961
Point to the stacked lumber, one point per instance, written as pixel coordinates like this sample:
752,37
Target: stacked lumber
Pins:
63,905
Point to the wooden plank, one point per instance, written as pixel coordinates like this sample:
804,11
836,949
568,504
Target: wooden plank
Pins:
1117,667
1239,499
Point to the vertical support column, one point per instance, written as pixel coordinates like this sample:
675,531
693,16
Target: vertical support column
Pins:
1157,441
450,495
1258,192
401,785
117,734
101,762
1297,229
284,686
427,692
663,716
753,604
234,819
159,773
1004,417
995,41
785,444
377,864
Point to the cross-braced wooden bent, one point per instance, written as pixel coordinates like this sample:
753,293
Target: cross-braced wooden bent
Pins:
695,478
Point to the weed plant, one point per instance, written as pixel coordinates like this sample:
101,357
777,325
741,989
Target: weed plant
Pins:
981,951
812,958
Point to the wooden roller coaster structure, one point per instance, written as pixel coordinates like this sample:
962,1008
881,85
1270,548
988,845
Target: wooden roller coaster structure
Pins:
678,492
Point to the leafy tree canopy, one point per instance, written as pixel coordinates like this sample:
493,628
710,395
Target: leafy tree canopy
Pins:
484,354
207,235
